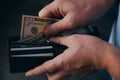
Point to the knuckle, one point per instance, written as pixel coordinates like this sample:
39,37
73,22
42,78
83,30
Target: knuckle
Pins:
74,36
70,23
57,28
65,66
45,67
62,64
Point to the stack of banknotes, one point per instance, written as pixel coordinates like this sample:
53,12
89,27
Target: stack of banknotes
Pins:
32,48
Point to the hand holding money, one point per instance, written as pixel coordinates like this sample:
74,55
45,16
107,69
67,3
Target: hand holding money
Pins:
33,27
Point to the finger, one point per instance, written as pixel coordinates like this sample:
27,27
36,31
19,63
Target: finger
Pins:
47,67
61,40
36,71
46,12
57,76
50,11
66,23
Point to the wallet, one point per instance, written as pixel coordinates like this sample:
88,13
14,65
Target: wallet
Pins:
27,55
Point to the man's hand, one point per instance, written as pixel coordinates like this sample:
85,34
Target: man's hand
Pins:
83,51
74,13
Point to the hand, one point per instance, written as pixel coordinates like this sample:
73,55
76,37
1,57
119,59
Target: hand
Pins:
74,13
82,51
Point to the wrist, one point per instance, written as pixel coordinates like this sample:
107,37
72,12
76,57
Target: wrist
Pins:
111,62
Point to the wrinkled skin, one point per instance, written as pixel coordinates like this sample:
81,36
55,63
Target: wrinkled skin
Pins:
82,51
85,53
73,13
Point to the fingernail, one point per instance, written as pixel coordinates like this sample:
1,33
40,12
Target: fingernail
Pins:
51,39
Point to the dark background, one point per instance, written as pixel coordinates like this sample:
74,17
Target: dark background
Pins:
11,12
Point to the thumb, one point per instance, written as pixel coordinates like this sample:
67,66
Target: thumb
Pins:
57,27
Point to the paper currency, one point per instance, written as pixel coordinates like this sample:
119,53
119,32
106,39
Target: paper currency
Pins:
38,37
32,26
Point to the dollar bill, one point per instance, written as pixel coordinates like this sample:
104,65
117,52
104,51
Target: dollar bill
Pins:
33,26
38,37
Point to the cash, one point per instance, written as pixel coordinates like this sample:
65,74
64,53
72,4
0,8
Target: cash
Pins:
36,37
33,27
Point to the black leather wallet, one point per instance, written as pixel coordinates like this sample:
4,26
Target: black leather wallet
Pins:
25,56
